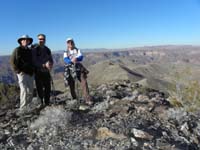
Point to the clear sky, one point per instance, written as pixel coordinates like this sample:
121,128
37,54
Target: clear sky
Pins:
100,23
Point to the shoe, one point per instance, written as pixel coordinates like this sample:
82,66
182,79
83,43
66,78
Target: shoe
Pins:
40,106
89,102
21,112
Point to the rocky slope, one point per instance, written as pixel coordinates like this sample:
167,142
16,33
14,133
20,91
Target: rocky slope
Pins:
125,116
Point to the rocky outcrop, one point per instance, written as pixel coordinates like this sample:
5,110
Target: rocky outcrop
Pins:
125,116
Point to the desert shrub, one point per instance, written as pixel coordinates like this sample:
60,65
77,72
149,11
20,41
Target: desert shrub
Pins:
8,93
185,91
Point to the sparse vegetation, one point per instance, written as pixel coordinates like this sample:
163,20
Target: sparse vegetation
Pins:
186,91
8,92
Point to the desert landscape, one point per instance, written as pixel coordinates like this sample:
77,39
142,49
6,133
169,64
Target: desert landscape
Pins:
145,98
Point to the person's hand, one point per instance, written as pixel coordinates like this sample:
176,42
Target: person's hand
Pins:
49,65
74,60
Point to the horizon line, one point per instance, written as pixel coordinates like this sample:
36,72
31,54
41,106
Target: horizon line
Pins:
125,48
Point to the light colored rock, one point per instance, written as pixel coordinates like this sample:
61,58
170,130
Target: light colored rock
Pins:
52,116
83,107
143,98
134,142
185,129
141,134
111,93
103,133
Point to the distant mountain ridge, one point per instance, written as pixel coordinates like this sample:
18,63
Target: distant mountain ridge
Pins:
151,63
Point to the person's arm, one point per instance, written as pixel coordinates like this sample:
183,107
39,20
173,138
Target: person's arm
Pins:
67,60
79,56
14,61
50,56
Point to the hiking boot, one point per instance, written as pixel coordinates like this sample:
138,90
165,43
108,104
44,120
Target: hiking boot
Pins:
89,102
21,112
40,106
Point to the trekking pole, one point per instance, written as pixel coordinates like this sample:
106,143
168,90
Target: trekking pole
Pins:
53,89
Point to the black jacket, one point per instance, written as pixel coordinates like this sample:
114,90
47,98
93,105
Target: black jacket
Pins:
21,60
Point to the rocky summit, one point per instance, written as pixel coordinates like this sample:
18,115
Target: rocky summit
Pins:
125,116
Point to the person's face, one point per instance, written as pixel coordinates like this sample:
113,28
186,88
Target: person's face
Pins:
25,42
70,45
41,40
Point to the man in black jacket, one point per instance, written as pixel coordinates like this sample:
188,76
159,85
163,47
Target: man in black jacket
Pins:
21,61
43,62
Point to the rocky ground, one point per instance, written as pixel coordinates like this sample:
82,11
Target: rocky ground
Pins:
125,116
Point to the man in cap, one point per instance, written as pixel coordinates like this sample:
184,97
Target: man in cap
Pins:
73,56
43,62
21,61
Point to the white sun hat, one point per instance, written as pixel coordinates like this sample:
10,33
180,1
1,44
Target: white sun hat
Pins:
69,39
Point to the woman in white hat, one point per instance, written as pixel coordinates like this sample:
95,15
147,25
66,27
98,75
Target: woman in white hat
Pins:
73,56
21,61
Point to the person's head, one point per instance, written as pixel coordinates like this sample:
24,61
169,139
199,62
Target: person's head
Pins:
25,40
70,44
41,39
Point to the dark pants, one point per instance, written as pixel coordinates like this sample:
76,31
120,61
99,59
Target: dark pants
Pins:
43,85
82,77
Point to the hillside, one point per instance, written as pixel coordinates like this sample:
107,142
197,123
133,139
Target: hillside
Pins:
125,116
132,109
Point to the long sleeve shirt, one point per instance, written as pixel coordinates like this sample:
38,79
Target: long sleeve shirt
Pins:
21,60
70,54
41,55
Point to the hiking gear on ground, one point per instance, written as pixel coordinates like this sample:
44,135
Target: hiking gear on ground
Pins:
70,54
25,37
43,86
26,89
21,60
69,39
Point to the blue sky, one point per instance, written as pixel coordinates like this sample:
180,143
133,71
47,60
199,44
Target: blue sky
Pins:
100,23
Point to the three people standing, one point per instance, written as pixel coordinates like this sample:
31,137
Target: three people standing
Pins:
36,61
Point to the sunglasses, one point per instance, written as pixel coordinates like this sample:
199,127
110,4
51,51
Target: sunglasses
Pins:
41,39
26,39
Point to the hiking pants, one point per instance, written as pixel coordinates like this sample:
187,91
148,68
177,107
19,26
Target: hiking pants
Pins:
83,79
43,85
26,89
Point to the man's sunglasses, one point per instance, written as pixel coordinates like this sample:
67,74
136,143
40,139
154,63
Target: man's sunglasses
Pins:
42,39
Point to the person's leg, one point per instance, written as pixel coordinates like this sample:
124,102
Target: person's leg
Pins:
71,83
47,88
22,90
39,86
84,85
26,89
29,80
